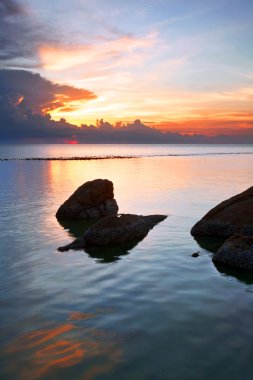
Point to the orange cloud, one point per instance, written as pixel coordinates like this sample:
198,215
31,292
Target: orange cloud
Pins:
208,127
67,98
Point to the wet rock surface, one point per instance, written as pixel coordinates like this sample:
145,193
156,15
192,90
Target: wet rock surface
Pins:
116,230
93,199
234,215
236,252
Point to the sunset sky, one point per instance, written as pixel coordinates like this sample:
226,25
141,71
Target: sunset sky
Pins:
180,65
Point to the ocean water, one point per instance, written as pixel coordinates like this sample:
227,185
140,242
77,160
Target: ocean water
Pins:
146,313
122,150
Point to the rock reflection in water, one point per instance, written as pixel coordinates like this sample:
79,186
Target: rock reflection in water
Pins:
208,243
101,254
48,351
242,276
212,245
110,254
76,228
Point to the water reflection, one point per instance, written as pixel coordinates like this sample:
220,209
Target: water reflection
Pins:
76,228
161,303
101,254
212,245
240,275
47,351
105,255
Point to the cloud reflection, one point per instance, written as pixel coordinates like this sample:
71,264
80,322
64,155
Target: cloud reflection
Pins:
46,351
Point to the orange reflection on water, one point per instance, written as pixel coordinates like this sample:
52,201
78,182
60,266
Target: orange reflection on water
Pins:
44,351
60,354
78,316
37,337
131,177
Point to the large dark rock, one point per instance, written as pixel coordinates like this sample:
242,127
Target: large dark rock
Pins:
235,215
94,199
116,230
236,252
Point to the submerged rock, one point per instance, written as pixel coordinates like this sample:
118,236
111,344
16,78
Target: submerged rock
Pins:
94,199
235,215
236,252
116,230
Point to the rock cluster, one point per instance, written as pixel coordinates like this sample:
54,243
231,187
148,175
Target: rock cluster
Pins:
95,200
232,219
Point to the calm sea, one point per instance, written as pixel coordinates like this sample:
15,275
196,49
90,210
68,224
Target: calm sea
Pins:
152,312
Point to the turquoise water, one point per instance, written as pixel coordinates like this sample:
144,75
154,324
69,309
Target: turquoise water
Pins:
152,312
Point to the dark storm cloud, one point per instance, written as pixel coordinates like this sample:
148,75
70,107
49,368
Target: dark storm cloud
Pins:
23,98
38,94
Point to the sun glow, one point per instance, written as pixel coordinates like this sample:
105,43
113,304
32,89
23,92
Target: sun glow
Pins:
188,113
124,88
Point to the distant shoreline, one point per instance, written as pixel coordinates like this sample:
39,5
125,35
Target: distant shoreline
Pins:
68,158
91,158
